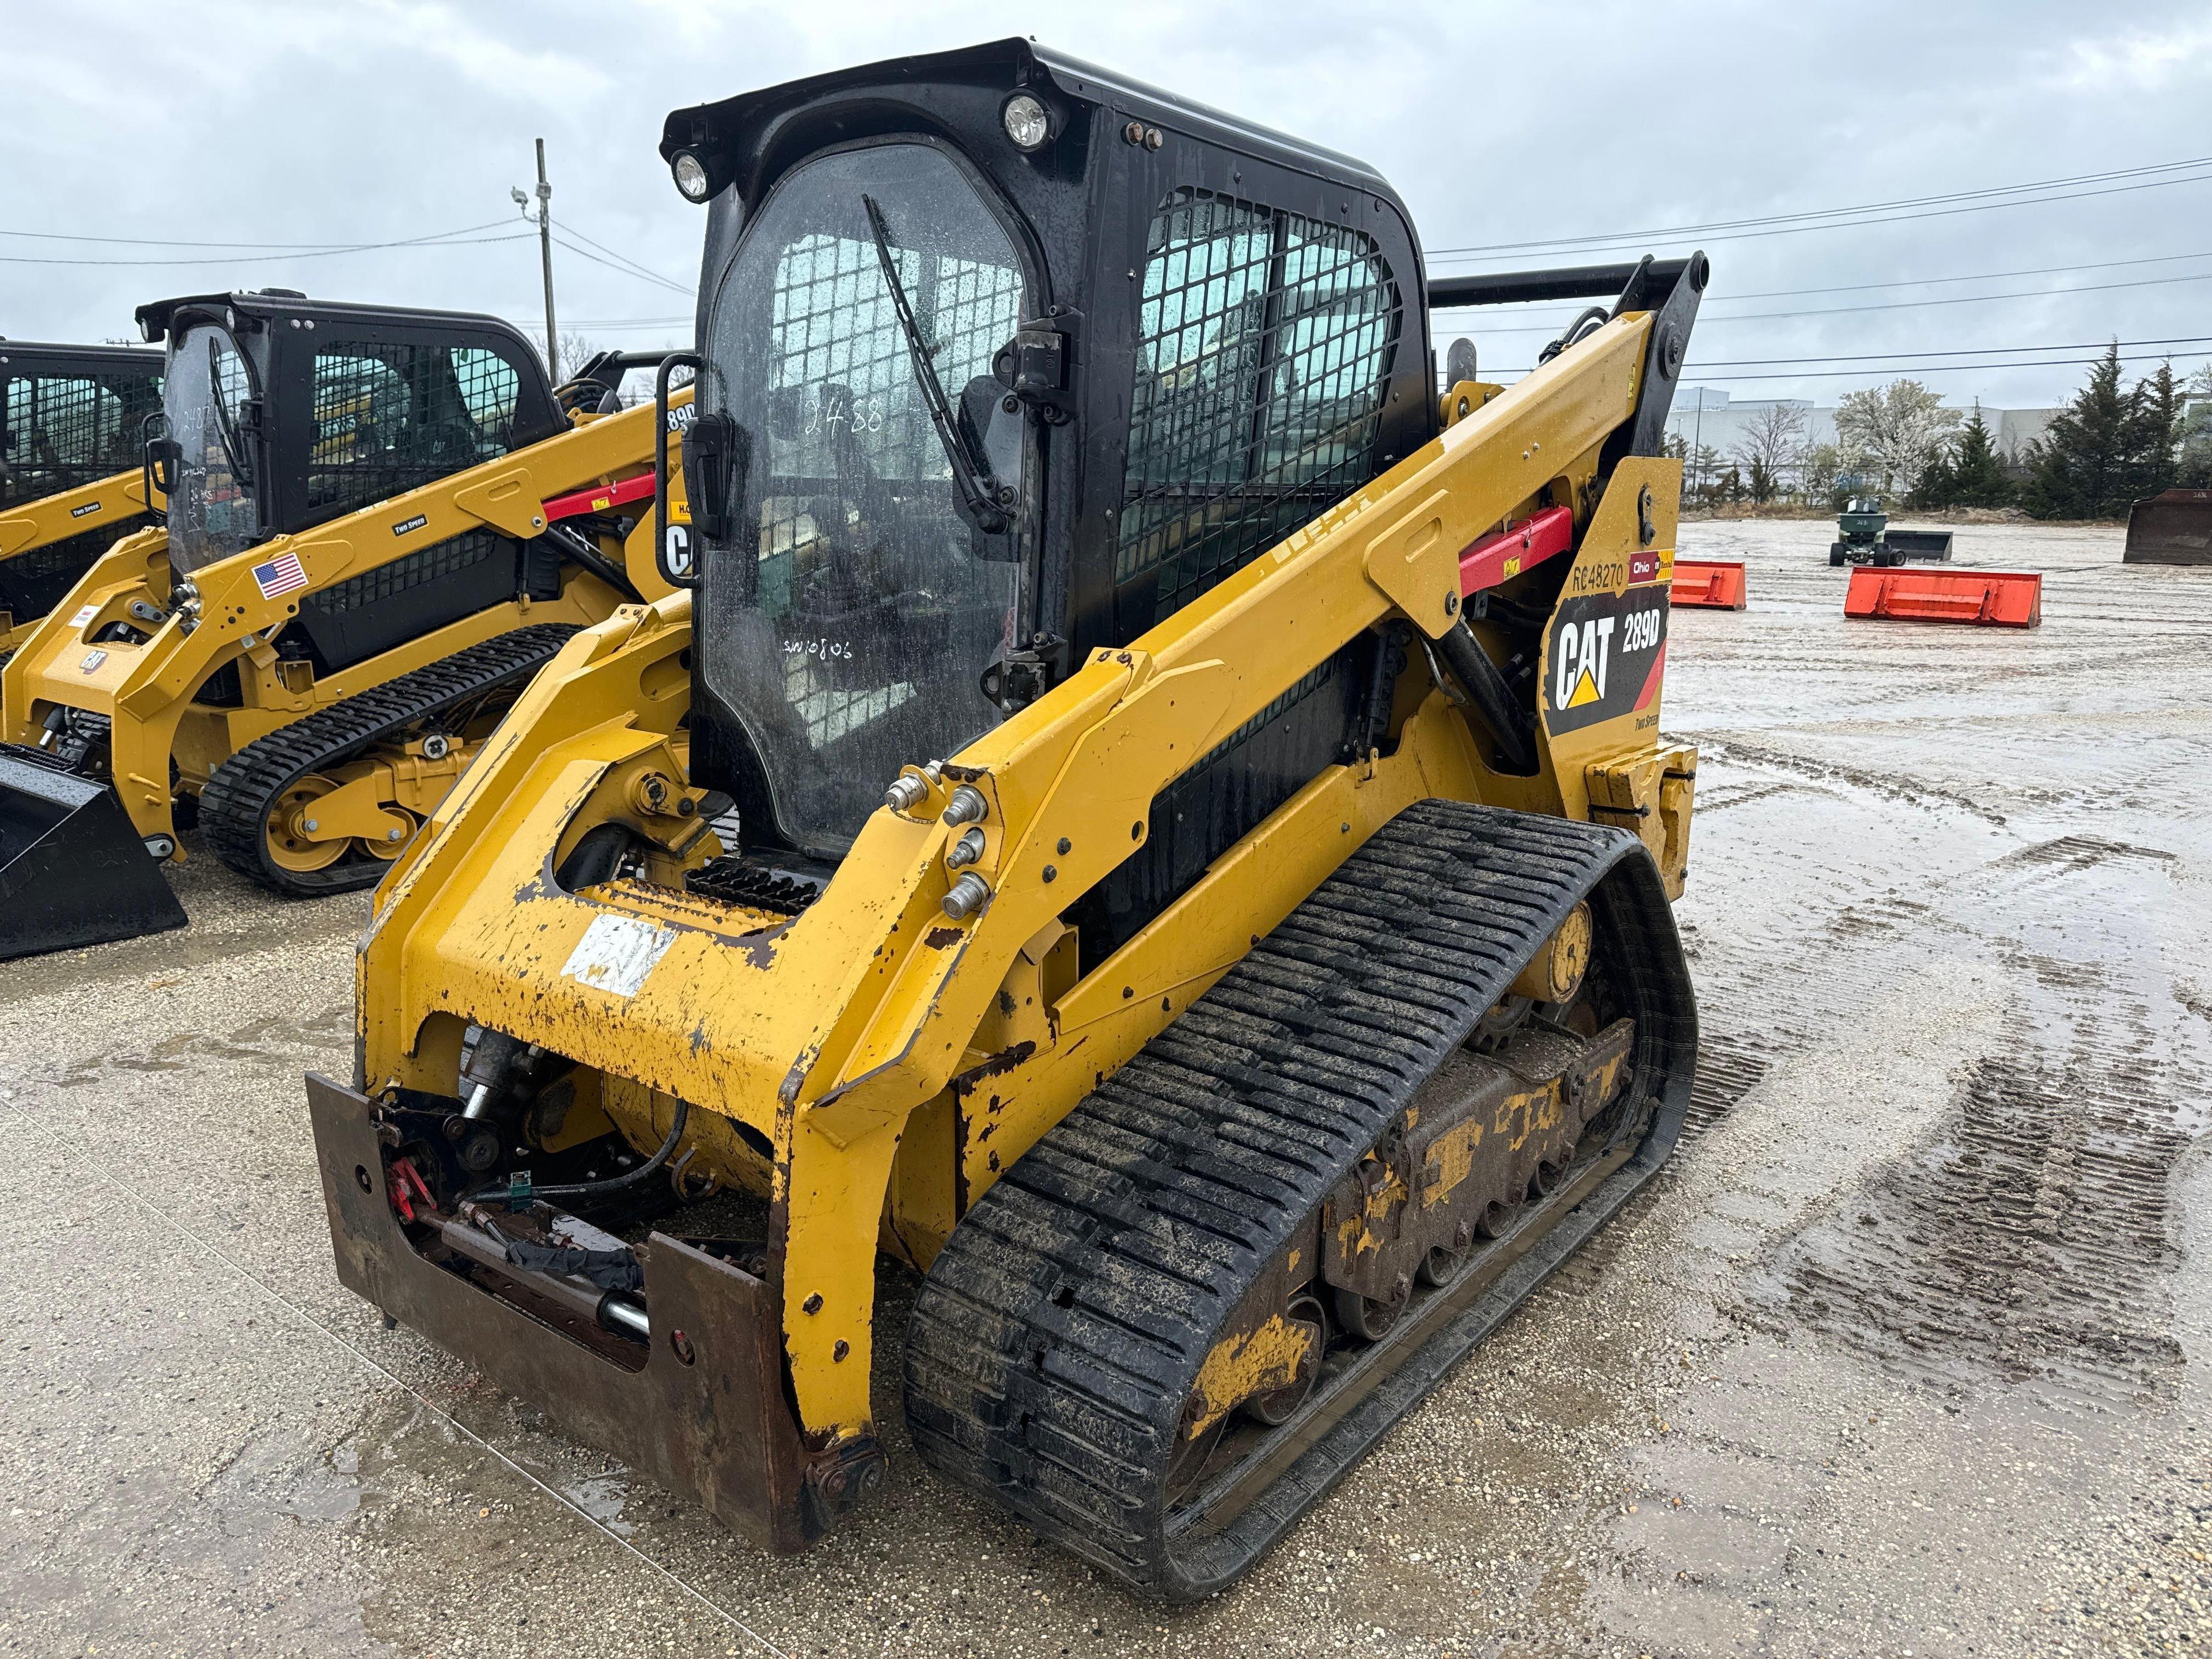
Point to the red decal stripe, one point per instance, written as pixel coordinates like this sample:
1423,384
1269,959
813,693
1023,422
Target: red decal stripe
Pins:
1650,691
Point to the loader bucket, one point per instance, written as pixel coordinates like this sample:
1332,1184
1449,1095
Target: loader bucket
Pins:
2171,528
1919,544
1708,585
73,870
1984,598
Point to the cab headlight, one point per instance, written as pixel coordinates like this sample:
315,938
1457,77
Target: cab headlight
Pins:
1028,123
691,177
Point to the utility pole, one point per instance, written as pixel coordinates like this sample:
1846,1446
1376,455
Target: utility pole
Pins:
1697,444
545,259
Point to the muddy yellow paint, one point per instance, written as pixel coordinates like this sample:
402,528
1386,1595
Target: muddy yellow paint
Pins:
1255,1361
838,1034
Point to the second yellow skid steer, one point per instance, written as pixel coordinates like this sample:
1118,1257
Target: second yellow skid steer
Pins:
1198,885
380,523
72,423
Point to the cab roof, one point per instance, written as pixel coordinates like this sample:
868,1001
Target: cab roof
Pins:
18,354
742,129
272,304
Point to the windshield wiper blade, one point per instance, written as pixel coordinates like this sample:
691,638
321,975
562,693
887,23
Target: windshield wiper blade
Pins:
226,428
981,492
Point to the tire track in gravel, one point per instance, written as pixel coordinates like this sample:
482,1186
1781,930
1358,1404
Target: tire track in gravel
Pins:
2030,1239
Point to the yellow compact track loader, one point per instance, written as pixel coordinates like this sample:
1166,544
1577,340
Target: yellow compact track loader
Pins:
1147,814
379,524
72,424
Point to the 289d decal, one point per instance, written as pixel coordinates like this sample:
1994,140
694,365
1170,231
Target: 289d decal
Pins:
1601,659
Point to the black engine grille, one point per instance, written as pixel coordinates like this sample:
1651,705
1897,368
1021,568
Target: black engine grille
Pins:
783,888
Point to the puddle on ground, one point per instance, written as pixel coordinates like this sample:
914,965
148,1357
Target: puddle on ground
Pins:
287,1040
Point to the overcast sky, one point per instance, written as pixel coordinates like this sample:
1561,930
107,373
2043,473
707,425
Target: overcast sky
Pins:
375,120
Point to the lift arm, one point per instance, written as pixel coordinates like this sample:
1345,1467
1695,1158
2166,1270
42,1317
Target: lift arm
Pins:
230,608
29,526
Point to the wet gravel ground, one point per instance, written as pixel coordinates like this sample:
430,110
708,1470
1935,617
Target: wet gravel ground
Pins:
1905,1355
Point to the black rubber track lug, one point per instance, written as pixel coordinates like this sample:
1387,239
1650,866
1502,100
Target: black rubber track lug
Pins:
235,807
1163,1194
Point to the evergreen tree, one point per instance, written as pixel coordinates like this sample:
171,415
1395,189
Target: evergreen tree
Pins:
1970,473
1935,488
1700,472
2193,467
2155,434
2081,469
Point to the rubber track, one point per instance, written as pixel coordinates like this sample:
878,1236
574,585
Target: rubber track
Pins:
235,806
1060,1330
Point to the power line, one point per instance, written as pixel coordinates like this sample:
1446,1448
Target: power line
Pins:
1947,368
154,241
616,253
1863,207
1899,202
265,259
1778,227
1904,362
1959,299
1909,281
1981,276
1704,321
582,252
1960,352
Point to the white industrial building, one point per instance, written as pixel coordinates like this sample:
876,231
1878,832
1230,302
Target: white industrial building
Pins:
1721,423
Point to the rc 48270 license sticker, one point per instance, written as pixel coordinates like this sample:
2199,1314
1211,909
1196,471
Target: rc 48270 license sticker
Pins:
1603,656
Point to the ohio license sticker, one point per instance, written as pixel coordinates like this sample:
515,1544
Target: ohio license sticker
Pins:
1603,657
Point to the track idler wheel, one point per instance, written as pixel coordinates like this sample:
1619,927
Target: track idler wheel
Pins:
292,844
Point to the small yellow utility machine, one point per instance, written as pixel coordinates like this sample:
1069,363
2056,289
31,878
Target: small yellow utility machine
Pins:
72,423
379,524
1143,812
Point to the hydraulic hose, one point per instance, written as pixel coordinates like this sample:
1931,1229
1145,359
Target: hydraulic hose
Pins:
579,549
1493,698
629,1178
1596,314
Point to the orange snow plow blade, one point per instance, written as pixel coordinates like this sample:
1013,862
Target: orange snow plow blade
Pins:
1989,598
1708,584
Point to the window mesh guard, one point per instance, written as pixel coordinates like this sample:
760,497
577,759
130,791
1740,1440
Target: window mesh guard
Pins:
392,418
847,411
66,431
1265,342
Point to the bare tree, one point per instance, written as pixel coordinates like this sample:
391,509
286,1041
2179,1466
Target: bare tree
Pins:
1773,449
576,348
1893,433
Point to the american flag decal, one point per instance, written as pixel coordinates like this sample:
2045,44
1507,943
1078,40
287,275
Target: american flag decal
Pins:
280,576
